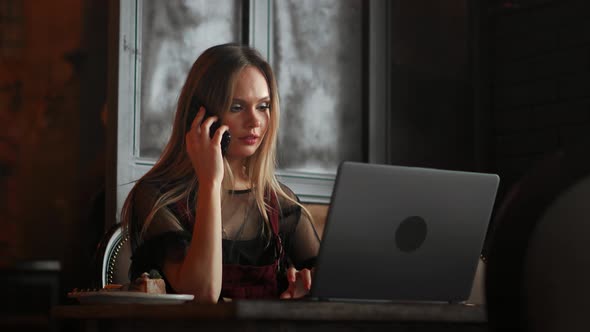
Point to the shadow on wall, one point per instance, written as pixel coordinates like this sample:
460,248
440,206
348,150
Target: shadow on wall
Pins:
537,268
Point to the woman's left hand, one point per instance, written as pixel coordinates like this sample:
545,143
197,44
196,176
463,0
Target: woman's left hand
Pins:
299,283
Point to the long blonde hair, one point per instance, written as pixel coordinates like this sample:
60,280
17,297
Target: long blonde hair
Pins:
211,81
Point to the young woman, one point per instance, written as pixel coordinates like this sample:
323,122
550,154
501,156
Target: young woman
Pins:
218,224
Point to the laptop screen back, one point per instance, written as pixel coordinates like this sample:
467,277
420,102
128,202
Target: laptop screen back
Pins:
403,233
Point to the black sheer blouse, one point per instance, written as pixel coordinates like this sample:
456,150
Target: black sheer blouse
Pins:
245,233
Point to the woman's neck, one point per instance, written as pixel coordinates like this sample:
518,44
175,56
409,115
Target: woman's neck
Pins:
241,180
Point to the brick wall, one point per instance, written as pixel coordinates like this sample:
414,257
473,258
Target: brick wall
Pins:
540,80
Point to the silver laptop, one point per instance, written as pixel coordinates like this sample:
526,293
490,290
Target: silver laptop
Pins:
403,234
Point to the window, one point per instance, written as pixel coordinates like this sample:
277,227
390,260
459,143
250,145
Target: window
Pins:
325,73
173,34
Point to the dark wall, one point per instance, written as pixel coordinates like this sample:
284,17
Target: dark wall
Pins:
488,86
539,80
52,91
432,101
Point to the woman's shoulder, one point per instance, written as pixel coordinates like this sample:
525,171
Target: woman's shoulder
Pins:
148,194
146,191
288,192
289,203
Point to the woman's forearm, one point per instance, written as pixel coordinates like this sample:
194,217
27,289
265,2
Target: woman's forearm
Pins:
200,272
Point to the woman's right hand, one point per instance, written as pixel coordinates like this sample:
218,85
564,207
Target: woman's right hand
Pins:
203,151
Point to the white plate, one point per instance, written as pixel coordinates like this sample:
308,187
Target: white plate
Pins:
129,297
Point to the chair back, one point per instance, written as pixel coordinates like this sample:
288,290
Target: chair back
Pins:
537,271
557,266
114,257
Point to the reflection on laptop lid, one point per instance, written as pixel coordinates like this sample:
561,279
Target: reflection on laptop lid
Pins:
403,233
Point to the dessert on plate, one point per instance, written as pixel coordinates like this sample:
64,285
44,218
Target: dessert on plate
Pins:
151,283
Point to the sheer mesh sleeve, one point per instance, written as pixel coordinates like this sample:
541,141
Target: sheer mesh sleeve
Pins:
300,237
165,239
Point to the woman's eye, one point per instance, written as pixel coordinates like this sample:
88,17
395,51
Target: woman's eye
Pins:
235,108
264,106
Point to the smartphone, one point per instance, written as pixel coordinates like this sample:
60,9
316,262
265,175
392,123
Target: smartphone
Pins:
225,139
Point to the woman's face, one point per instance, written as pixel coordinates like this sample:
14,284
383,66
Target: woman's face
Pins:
249,113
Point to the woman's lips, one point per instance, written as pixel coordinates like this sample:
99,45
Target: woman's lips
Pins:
249,140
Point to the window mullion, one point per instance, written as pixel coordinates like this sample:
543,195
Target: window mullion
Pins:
379,71
259,35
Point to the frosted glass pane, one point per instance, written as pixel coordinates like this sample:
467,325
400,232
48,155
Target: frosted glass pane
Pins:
317,56
174,33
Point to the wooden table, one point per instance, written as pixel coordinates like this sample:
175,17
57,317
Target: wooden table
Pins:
258,315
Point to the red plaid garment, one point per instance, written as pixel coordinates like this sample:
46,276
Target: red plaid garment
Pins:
255,282
247,281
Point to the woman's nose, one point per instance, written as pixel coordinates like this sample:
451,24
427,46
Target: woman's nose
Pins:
254,118
255,123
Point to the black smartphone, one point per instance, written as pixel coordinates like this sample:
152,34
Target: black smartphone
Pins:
225,139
